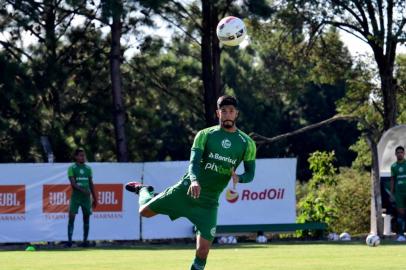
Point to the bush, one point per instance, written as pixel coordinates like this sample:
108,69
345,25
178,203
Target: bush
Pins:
316,205
342,200
352,201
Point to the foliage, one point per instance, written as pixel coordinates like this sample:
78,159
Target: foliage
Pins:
352,197
283,81
342,200
317,205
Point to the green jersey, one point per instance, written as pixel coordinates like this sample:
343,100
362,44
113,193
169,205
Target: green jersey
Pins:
215,152
398,172
82,174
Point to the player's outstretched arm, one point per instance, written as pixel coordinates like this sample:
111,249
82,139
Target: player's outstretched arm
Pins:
249,162
196,154
194,169
194,163
249,172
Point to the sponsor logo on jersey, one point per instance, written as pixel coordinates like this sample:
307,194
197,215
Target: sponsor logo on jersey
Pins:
12,199
81,171
109,197
55,198
400,169
216,156
217,168
226,143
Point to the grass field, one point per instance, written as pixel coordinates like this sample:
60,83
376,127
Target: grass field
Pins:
275,256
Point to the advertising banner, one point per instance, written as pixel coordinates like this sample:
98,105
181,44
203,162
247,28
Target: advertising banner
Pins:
34,203
34,200
269,199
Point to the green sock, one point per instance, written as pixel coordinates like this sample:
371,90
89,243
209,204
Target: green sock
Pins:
198,264
145,196
70,229
85,230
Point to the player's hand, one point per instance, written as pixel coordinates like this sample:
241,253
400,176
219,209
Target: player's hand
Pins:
194,190
235,177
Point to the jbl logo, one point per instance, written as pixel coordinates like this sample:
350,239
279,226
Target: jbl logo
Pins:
12,199
55,198
58,198
109,197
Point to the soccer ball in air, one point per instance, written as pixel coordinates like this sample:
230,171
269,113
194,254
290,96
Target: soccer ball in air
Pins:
231,31
373,240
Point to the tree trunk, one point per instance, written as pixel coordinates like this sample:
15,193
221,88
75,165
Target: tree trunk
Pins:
388,88
376,199
118,108
50,44
210,61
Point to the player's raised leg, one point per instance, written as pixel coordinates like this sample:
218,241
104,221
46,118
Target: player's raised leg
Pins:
146,193
202,251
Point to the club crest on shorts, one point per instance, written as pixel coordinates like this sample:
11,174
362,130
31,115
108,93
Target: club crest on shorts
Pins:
213,231
226,143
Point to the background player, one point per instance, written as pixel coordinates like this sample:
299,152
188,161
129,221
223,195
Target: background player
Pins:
398,188
80,177
215,153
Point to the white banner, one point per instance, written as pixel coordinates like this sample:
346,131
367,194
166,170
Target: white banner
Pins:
34,200
161,175
269,199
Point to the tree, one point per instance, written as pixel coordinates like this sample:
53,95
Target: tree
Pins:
285,84
380,24
47,22
199,26
114,9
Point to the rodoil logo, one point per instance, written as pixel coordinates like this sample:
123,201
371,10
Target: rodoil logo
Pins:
232,196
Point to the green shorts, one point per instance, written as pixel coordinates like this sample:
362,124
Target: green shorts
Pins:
175,203
84,202
400,198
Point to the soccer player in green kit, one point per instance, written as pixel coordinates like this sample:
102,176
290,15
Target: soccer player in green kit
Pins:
80,177
398,188
216,153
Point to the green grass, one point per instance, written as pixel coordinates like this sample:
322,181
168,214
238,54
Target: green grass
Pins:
275,256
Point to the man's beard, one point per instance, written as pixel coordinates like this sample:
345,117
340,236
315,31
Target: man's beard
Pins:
228,123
